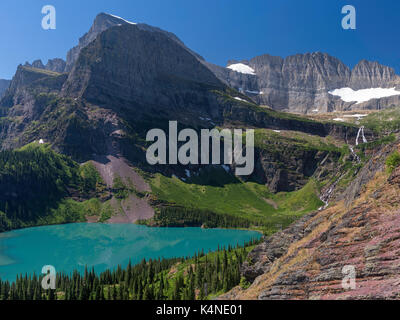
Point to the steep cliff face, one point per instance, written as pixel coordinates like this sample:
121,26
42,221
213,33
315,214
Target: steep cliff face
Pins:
4,84
306,260
102,22
143,71
367,74
30,92
27,81
301,83
288,167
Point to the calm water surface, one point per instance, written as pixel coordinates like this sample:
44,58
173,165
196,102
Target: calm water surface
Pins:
103,246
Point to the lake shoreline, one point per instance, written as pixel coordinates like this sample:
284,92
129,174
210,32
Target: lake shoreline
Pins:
91,220
105,246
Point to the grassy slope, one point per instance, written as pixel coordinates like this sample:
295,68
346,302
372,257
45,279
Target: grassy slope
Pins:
245,199
264,137
250,200
383,122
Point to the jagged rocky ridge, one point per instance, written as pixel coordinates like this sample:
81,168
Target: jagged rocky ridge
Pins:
56,65
298,83
301,83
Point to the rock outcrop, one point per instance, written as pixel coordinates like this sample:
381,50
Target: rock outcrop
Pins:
100,24
27,81
56,65
4,84
367,74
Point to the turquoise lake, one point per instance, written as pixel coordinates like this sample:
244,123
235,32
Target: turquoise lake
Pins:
104,246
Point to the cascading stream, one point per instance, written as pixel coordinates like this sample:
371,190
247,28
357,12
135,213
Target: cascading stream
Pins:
327,195
354,154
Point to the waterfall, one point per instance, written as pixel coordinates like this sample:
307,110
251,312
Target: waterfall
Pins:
363,137
358,135
361,131
325,197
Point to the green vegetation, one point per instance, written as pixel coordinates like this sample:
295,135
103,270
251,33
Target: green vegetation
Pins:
106,212
43,71
90,178
264,138
62,119
198,278
392,161
120,190
229,96
37,187
373,144
246,200
383,122
174,216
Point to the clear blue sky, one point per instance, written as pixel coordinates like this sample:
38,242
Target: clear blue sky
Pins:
219,30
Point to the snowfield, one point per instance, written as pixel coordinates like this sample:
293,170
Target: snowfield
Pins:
363,95
242,68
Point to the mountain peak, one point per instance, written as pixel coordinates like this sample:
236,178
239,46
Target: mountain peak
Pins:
125,62
372,74
102,22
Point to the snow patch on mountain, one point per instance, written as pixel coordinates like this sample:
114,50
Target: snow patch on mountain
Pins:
363,95
240,99
112,15
254,92
242,68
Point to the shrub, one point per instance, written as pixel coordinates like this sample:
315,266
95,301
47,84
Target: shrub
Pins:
392,161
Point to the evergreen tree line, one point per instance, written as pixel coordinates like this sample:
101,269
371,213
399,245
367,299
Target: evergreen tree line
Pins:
189,217
162,279
176,216
34,179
